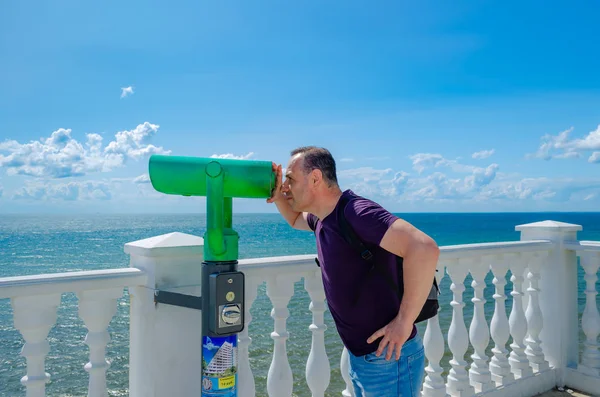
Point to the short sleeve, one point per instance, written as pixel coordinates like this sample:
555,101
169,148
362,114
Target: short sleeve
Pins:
312,221
369,220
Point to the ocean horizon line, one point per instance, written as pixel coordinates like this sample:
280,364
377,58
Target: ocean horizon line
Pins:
276,213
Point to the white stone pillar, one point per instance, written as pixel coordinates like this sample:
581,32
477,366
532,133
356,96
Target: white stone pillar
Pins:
96,309
345,370
557,294
165,340
318,370
34,317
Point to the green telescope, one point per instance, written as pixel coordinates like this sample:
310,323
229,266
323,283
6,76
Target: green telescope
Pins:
220,180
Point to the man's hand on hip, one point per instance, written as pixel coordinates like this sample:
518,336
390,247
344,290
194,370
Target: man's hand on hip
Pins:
394,335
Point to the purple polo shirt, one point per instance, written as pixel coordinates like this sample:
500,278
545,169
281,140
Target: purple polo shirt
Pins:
344,273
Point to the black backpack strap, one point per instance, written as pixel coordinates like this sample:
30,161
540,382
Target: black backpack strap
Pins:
348,232
356,243
312,224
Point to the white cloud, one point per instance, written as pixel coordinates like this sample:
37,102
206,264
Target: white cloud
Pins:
365,173
125,91
399,183
421,161
482,177
562,147
72,191
451,181
234,157
548,189
480,183
369,180
483,184
484,154
61,156
144,178
440,187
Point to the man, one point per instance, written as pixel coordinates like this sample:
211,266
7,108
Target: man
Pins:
386,352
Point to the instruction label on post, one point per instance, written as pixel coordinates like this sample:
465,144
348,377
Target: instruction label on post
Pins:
219,366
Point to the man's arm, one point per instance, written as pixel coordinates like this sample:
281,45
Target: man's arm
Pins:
420,254
297,220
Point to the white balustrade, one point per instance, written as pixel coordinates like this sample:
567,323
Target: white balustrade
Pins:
557,297
500,329
518,360
34,316
479,332
538,359
97,308
590,321
535,321
433,341
318,371
280,382
345,369
35,301
458,338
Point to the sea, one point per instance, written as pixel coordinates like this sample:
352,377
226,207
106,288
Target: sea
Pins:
36,244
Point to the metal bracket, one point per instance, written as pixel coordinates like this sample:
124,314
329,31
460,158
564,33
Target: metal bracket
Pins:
176,299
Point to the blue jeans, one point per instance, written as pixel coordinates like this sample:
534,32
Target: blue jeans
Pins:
373,376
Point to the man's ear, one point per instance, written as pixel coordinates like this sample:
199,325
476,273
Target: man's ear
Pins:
316,176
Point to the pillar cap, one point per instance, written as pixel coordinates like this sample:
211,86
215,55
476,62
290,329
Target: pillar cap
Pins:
170,244
550,225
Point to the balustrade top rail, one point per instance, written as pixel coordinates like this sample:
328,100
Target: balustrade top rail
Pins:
290,263
583,246
301,263
122,277
495,248
42,284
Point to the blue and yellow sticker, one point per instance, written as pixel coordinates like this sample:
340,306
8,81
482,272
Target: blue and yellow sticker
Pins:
219,366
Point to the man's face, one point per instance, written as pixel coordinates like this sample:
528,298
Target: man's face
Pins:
295,185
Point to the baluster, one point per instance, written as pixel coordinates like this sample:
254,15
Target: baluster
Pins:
96,309
318,371
535,321
590,321
247,387
34,316
458,339
280,381
345,370
434,385
499,366
479,332
518,360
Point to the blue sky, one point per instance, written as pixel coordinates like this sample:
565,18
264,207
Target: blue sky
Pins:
427,106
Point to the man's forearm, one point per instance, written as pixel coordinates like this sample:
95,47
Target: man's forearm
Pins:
285,209
418,271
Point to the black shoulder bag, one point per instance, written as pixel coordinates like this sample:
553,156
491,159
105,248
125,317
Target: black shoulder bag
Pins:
431,306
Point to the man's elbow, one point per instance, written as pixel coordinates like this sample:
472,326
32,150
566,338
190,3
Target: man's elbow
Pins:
429,249
432,246
300,223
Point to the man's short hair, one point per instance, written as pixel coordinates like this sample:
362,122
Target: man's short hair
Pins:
320,159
